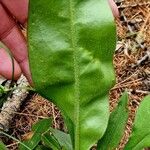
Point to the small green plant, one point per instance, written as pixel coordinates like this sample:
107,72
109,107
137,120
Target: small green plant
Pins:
140,137
44,137
4,93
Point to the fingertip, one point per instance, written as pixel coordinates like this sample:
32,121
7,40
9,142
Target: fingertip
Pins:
6,67
26,70
114,8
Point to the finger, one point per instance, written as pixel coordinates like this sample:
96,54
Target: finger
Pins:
13,38
6,23
114,8
17,44
18,8
6,67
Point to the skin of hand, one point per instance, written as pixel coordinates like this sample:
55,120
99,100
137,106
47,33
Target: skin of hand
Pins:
12,37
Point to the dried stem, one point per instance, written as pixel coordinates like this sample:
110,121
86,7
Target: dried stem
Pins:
12,105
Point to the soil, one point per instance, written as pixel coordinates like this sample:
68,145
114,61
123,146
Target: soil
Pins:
132,67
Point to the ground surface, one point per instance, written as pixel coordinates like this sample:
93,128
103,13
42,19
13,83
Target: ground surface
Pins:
132,66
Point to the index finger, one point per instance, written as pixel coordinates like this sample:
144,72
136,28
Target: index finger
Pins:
114,8
18,8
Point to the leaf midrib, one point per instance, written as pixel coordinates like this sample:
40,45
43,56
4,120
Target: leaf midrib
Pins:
76,73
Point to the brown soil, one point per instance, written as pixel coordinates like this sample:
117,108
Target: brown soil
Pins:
132,66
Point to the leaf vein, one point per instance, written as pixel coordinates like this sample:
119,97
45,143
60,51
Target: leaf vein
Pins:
76,73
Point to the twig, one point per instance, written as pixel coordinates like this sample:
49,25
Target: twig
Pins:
140,91
127,84
13,144
12,105
133,75
143,59
132,32
54,117
134,5
26,114
125,19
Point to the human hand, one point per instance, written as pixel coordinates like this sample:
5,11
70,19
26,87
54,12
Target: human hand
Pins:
12,37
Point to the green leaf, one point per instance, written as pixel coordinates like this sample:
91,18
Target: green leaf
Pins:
71,47
50,141
2,146
42,125
63,138
140,137
38,129
57,140
3,95
116,126
41,147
